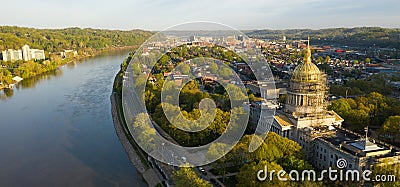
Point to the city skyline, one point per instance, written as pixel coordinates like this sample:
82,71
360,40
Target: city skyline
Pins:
161,14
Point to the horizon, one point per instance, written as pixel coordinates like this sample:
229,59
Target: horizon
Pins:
161,14
256,29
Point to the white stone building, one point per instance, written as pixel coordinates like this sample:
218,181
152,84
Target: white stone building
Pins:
306,121
25,53
11,55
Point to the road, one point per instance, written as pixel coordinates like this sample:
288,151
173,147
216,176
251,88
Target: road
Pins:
169,155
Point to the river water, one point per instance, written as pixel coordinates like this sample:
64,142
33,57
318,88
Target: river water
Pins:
57,130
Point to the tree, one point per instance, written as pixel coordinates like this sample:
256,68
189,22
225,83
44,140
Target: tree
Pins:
282,99
185,176
136,68
387,168
341,106
144,133
358,119
320,59
237,93
240,153
218,150
225,72
286,147
292,163
185,68
5,77
213,68
163,60
367,60
327,59
392,125
248,175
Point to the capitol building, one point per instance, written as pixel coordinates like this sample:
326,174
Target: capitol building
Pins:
306,120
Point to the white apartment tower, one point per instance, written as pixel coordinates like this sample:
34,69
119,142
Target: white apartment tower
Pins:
26,54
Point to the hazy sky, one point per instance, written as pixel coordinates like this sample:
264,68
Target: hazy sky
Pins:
160,14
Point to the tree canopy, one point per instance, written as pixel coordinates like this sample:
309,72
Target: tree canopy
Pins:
185,176
372,109
53,40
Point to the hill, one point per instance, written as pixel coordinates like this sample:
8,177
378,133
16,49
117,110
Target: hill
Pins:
353,37
53,40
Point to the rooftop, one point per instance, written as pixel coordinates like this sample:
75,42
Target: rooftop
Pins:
357,145
365,145
283,120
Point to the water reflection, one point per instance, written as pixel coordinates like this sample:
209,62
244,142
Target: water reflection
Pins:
56,129
31,82
6,93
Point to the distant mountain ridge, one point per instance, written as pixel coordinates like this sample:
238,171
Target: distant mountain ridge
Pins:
353,37
52,40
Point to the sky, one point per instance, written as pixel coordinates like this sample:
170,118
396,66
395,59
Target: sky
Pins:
158,15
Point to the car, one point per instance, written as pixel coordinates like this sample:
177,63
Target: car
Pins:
183,159
202,170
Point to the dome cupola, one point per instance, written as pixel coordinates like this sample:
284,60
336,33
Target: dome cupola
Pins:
307,71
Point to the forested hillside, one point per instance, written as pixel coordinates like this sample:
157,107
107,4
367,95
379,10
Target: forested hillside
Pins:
86,42
53,40
353,37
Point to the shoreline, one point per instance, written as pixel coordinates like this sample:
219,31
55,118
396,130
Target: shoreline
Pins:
75,59
149,175
129,149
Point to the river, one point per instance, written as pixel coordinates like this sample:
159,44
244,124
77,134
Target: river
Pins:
57,130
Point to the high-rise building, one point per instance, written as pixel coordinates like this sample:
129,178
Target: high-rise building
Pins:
4,56
192,38
240,38
26,55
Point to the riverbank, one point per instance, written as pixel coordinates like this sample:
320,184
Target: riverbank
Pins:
134,153
121,133
73,60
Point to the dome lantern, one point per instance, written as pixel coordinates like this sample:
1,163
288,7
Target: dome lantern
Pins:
307,71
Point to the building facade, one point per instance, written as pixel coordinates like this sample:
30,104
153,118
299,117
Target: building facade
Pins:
37,54
25,53
306,121
11,55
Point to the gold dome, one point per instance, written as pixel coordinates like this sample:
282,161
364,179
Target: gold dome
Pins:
307,71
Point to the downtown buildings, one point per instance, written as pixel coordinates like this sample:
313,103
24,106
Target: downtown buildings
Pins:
25,53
